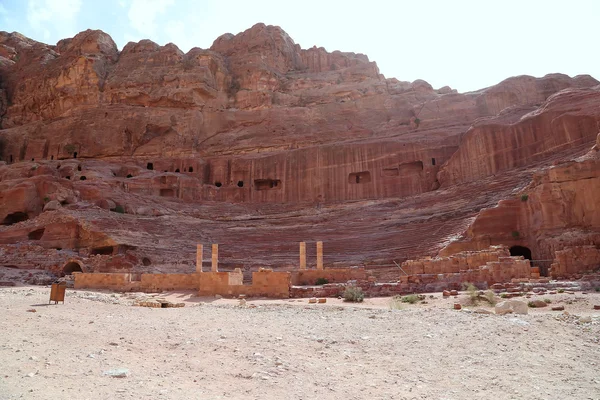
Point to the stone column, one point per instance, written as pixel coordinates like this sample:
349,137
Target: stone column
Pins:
319,255
199,255
302,255
215,257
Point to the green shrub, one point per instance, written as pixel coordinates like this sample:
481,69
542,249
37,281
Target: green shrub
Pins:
410,299
598,289
490,297
515,234
561,290
120,209
524,197
531,304
46,199
321,281
354,294
504,296
547,301
417,122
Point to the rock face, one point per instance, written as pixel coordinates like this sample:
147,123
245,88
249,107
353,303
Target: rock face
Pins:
556,214
127,159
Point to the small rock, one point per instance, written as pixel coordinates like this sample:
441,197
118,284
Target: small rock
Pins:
457,306
597,307
242,302
454,293
538,303
33,358
446,293
117,373
585,320
218,296
30,375
558,308
32,310
322,300
482,311
312,300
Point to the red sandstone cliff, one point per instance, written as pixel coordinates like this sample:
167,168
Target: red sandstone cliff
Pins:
258,144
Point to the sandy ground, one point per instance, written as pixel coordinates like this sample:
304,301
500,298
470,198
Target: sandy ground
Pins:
216,349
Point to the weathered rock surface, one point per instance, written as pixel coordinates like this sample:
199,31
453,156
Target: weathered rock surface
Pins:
511,306
258,144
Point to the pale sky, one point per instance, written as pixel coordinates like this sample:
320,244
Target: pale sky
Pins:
465,44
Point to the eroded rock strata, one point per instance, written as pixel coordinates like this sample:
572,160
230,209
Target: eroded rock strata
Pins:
124,160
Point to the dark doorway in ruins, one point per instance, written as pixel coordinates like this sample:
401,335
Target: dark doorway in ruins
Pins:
150,166
36,235
359,177
265,184
75,155
167,193
433,161
106,250
520,251
191,169
240,183
15,218
71,267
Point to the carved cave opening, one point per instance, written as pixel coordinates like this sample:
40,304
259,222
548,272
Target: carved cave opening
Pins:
392,171
218,184
240,183
266,184
411,167
520,251
190,169
79,167
74,154
146,261
71,267
105,250
359,177
82,178
177,170
36,235
433,161
150,166
167,193
15,218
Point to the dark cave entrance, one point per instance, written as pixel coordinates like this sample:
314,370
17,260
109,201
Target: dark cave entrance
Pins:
71,267
15,218
526,253
520,251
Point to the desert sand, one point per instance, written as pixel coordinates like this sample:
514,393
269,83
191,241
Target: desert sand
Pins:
289,349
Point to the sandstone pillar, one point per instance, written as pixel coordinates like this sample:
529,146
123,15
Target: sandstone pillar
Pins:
319,255
199,255
215,257
302,255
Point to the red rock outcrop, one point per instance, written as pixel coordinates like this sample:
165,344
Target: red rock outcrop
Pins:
559,210
257,144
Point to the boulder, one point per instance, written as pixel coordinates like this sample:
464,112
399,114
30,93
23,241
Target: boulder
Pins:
511,306
52,205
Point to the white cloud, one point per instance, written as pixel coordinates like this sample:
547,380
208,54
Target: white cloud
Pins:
143,13
60,16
